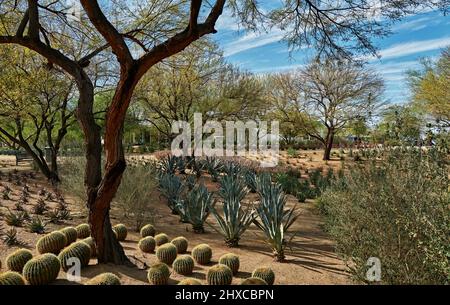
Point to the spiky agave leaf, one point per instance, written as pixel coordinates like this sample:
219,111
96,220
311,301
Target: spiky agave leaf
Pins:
213,166
171,188
169,165
250,179
235,220
196,207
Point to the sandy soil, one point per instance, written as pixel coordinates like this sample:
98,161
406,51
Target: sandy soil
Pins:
310,258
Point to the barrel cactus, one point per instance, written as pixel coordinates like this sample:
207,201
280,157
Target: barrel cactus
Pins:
42,269
166,253
219,275
161,239
121,232
51,243
148,230
231,260
11,278
253,281
264,273
158,274
104,279
147,244
16,260
181,243
83,231
190,281
91,243
71,234
183,264
79,250
202,254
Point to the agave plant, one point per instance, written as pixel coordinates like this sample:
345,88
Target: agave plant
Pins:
190,182
10,238
213,166
235,220
232,168
181,165
197,167
169,165
263,182
196,207
274,220
171,188
250,180
14,219
36,225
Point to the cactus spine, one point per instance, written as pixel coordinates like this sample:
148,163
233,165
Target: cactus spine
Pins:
202,254
16,260
147,244
266,274
79,250
11,278
161,239
51,243
219,275
190,281
158,274
183,264
42,269
253,281
231,260
90,242
166,253
121,232
71,234
148,230
181,243
83,231
104,279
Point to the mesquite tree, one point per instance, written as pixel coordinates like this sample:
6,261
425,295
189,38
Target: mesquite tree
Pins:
142,33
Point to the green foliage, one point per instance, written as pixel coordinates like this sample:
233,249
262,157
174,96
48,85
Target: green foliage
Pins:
196,207
83,231
202,254
214,167
147,230
171,188
253,281
14,219
184,264
169,165
71,234
10,238
288,183
158,274
147,244
161,239
11,278
397,210
181,243
79,250
231,260
104,279
274,220
235,220
264,273
120,231
42,270
16,260
231,168
219,275
250,180
51,243
166,253
293,153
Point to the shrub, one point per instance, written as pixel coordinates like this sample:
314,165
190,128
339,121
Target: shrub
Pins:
161,239
16,260
83,231
79,250
147,230
253,281
288,183
184,264
11,278
42,269
166,253
105,279
196,207
219,275
51,243
396,210
147,244
158,274
181,243
235,220
121,232
232,261
266,274
171,188
202,254
10,238
274,220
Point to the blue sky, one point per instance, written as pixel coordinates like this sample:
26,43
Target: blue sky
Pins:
416,37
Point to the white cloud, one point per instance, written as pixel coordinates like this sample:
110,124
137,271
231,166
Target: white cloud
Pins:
414,47
252,40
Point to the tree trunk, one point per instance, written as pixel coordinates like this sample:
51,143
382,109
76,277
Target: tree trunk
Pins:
328,145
